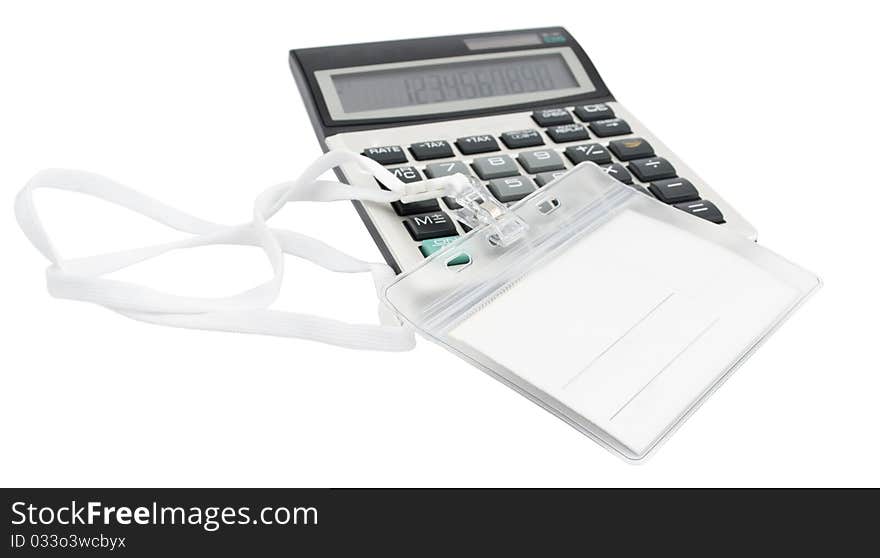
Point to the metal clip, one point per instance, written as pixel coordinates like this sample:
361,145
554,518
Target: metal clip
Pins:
480,208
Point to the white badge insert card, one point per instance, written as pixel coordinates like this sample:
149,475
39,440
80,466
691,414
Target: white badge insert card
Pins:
616,312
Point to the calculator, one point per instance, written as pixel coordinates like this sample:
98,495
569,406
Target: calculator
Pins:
513,109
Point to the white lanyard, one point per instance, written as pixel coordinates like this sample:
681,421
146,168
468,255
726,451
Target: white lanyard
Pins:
247,311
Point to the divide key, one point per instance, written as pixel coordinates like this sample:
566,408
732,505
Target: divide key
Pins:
649,170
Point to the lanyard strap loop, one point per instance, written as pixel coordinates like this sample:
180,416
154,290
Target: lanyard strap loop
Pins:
246,311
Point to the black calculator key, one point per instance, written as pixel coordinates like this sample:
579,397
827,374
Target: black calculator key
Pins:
568,132
649,170
448,168
386,155
512,188
522,138
430,225
452,204
542,160
476,144
631,148
552,117
674,190
588,152
405,174
436,149
589,113
495,166
608,128
639,188
414,208
702,208
619,172
410,174
545,178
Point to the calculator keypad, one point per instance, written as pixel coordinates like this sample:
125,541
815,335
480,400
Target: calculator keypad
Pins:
513,164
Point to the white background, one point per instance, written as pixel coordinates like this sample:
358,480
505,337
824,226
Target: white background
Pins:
775,104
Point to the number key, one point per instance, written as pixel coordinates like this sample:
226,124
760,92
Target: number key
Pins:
511,189
547,177
436,170
496,166
541,161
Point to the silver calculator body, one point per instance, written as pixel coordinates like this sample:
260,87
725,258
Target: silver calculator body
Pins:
514,109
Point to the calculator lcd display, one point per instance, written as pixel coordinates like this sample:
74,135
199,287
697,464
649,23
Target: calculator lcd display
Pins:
428,84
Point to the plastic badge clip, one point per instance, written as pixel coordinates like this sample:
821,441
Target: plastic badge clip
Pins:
480,208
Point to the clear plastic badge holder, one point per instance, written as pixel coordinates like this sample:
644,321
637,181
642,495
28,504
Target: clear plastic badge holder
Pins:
614,311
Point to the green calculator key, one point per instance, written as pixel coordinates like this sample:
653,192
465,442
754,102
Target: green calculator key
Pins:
428,247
